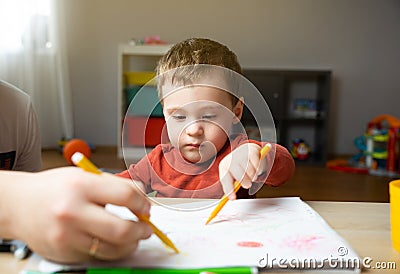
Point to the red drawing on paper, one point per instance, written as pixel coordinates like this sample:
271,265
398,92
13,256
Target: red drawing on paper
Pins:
249,244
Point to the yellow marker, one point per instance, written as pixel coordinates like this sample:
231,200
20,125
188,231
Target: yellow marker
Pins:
263,152
81,161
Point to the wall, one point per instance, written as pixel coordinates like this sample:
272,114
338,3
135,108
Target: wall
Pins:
358,40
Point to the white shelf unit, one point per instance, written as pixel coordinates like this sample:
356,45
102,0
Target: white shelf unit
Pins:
134,58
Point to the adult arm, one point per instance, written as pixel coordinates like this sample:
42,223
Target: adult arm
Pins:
59,212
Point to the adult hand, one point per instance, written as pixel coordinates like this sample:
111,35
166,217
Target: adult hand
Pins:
60,214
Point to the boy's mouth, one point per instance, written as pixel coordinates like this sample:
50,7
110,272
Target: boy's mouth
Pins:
193,145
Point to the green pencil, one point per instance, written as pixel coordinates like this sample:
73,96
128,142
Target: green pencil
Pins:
226,270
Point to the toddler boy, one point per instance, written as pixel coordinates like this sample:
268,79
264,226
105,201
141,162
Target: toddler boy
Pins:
198,85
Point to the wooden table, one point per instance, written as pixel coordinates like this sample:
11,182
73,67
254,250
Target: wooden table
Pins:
365,226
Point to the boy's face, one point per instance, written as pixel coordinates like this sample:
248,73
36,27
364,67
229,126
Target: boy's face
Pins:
198,120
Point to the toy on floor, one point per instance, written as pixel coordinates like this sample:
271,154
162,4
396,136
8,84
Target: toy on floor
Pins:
300,149
76,145
379,149
382,144
346,165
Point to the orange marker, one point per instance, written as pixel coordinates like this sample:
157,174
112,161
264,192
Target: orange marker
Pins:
81,161
263,152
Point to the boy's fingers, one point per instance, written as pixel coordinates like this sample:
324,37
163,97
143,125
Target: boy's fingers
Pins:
238,173
262,167
243,174
252,169
227,185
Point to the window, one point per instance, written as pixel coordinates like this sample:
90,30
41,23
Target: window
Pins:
24,24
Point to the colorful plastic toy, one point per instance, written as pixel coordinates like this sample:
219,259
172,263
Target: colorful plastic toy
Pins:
300,149
381,154
379,149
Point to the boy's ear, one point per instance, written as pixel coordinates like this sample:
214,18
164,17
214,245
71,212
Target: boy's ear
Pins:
238,110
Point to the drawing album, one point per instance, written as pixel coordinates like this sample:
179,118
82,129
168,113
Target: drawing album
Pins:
273,234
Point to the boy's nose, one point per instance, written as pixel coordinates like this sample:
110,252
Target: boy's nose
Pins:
194,129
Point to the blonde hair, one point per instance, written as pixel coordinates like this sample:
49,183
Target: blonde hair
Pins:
196,51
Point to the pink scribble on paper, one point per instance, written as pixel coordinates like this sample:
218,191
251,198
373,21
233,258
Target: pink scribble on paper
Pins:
238,217
302,242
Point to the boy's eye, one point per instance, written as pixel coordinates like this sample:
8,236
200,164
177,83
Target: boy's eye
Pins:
179,117
208,116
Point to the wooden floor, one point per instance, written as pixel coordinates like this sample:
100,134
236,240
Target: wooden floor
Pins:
309,183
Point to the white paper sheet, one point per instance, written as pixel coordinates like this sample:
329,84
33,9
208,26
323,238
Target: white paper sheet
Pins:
268,233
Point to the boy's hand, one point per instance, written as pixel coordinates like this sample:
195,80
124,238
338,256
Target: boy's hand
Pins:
243,165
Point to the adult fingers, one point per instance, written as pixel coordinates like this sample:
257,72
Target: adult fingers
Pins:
85,246
104,249
105,225
111,189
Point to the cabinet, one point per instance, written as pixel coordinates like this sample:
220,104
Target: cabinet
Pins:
299,103
136,65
